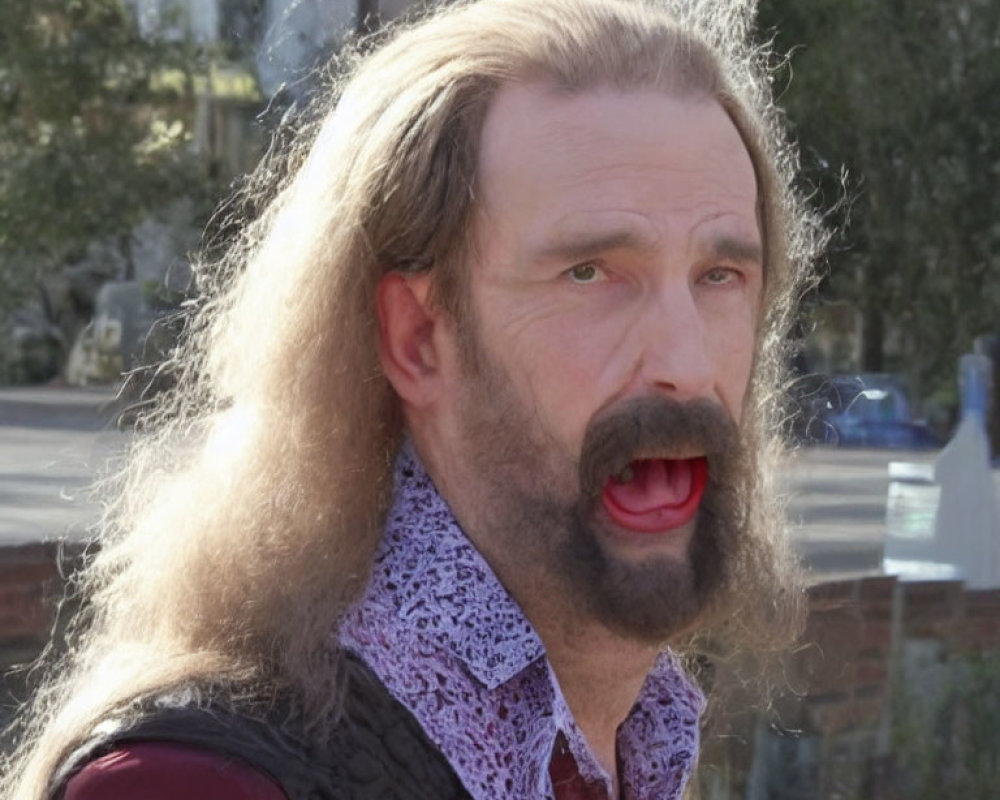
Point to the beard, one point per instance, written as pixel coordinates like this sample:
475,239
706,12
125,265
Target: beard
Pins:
541,517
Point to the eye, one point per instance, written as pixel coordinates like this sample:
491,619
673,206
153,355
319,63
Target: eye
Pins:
585,273
721,276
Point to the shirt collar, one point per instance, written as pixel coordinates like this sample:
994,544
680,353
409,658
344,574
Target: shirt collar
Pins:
445,587
434,607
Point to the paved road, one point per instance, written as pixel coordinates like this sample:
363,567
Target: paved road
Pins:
837,501
52,443
53,440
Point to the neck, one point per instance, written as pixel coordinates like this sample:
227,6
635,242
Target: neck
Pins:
600,674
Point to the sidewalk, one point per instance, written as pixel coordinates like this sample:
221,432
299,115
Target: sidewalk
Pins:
52,442
57,407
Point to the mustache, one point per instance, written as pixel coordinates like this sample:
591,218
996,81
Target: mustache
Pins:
653,427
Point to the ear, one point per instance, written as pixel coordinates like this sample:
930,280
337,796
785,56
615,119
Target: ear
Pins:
407,347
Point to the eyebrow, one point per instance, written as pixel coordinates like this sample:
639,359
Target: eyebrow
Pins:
736,249
580,248
587,245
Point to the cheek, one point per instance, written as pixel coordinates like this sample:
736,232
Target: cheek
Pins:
733,345
560,375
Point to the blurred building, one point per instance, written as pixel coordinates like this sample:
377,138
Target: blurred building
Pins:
249,62
287,36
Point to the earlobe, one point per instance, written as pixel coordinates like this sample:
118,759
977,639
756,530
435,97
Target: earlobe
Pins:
407,348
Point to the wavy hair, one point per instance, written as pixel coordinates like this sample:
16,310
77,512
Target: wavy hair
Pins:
246,515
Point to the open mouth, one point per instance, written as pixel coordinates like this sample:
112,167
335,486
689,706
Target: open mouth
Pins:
656,494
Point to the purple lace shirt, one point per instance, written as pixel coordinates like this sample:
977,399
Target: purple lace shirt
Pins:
440,631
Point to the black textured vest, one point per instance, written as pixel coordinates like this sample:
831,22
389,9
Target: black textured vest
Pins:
377,750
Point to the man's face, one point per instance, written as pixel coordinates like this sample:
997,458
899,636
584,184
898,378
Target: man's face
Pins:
615,294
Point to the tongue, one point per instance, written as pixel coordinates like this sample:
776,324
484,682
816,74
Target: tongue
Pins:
654,484
663,494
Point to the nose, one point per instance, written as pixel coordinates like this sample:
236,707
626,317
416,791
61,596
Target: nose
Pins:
675,357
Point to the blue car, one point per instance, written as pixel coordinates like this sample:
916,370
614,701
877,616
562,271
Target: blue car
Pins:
867,410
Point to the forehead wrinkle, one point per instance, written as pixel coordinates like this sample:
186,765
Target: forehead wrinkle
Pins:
740,241
751,233
661,189
500,192
713,181
624,175
555,135
585,234
574,145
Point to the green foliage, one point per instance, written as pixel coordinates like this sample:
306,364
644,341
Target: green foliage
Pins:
90,139
904,96
946,740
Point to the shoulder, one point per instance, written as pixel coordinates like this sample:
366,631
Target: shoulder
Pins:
167,770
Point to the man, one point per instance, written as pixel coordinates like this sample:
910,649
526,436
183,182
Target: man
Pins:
473,425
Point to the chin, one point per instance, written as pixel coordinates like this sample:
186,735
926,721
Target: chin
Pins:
643,586
637,547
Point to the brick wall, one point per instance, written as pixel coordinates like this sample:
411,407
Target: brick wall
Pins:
873,647
31,585
832,735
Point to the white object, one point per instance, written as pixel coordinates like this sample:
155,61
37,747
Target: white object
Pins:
911,549
967,524
944,522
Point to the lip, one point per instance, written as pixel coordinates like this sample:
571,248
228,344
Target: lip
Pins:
666,518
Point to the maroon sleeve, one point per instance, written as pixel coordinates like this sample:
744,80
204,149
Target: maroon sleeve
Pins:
168,771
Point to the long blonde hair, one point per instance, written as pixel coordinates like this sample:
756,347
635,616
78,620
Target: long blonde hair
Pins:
247,513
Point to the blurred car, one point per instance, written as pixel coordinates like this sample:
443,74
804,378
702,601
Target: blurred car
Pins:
864,410
892,434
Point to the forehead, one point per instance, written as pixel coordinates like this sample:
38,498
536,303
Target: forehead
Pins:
552,159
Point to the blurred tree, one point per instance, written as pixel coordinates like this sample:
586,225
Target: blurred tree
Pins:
94,125
906,96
